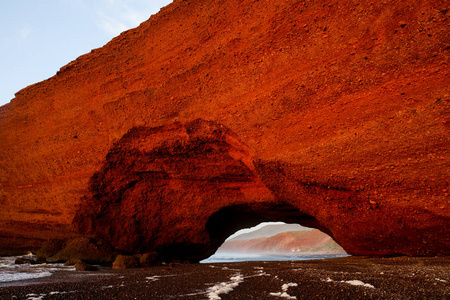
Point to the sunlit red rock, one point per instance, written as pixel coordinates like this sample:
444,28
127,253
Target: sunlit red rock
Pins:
343,105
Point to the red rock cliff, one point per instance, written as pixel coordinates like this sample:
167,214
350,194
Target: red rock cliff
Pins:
344,106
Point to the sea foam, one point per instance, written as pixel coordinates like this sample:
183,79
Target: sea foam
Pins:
9,271
224,287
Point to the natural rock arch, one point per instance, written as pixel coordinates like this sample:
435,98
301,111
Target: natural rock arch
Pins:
182,189
349,124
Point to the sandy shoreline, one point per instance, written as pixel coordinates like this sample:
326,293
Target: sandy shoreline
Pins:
342,278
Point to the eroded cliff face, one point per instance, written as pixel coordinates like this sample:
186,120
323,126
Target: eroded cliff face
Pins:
343,106
159,186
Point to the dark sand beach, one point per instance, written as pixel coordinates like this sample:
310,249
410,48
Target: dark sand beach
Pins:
341,278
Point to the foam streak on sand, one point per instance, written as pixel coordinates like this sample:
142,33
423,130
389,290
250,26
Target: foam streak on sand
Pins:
283,293
35,297
157,277
224,287
352,282
42,296
359,282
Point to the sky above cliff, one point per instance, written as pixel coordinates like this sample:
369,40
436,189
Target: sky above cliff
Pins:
37,38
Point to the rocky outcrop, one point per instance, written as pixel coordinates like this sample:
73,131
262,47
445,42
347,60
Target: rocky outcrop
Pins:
82,249
343,105
159,187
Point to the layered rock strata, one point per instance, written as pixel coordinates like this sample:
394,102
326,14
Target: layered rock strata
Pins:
343,105
159,187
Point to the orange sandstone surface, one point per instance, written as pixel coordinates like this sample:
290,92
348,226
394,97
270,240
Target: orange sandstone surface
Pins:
214,115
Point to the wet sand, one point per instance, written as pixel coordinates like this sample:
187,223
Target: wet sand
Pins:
341,278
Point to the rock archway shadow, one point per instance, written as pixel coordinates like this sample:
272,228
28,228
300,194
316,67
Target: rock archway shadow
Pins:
230,219
182,189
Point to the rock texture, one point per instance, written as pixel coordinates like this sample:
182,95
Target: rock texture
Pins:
85,249
159,187
125,262
343,105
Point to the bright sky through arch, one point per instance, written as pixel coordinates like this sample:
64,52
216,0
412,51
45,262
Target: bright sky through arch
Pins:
37,38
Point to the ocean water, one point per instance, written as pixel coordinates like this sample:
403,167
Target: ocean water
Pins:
10,272
222,257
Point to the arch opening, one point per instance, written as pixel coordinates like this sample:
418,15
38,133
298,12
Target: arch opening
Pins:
268,232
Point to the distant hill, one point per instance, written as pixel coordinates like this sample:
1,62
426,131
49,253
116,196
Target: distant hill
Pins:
269,230
301,242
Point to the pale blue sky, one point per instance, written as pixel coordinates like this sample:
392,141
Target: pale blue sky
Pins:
38,37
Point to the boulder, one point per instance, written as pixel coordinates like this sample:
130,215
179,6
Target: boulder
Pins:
89,250
49,248
125,262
